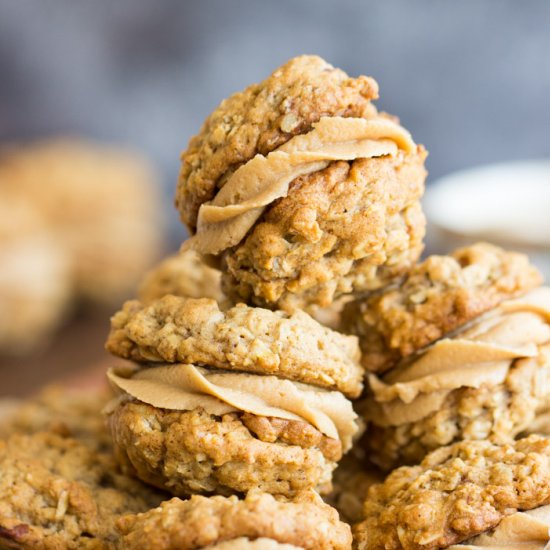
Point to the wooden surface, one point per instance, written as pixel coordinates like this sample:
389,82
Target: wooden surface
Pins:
75,356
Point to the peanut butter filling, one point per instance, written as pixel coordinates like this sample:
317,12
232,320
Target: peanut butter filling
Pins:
519,531
223,222
186,387
480,354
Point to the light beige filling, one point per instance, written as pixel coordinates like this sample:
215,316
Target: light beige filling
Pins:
523,530
481,354
186,387
224,221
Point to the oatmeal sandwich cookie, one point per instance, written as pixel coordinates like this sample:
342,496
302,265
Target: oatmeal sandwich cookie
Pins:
487,380
303,189
437,297
190,430
257,522
57,493
196,331
472,494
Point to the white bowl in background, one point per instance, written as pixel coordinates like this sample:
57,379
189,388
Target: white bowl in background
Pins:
507,204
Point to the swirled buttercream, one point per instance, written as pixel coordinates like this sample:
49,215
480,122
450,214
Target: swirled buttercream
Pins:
480,354
186,387
225,220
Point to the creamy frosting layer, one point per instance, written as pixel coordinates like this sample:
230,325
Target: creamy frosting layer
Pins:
520,531
223,222
186,387
480,354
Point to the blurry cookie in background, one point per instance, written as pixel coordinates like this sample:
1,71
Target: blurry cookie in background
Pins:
35,282
78,222
101,203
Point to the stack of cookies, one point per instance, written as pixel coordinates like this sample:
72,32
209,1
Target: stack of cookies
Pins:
458,363
286,189
303,200
461,350
299,291
298,195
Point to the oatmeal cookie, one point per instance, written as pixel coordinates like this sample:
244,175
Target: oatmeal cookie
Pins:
456,493
220,522
490,380
526,530
68,413
189,452
35,281
184,274
175,329
498,412
350,224
438,296
101,203
350,228
57,493
263,117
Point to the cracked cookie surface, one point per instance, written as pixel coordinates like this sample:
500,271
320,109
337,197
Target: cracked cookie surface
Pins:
263,117
456,493
238,452
217,522
353,226
438,296
57,493
196,331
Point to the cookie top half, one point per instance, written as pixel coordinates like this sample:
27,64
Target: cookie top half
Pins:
215,522
196,331
456,493
437,297
263,117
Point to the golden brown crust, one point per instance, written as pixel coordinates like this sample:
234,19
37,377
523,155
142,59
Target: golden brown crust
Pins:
184,274
353,227
68,413
457,492
438,296
263,117
161,448
243,338
57,493
200,522
498,412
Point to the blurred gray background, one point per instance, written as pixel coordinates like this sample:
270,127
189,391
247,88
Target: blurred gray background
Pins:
469,78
